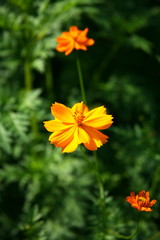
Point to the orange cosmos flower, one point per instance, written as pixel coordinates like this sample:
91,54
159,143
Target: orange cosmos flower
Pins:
76,125
74,39
141,201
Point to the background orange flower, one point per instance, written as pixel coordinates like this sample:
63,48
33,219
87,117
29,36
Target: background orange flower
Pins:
141,201
76,125
74,39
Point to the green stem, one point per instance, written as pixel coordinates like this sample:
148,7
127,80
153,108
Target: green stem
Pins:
155,179
28,76
130,236
81,80
49,80
34,125
95,166
28,86
102,204
105,62
156,236
100,181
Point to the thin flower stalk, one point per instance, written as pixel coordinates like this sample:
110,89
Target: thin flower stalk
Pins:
155,179
99,178
28,76
49,80
81,80
129,236
94,165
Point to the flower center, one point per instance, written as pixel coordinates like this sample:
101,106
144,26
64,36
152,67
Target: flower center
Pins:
142,199
78,116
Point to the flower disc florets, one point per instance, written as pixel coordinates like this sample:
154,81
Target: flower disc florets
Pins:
78,116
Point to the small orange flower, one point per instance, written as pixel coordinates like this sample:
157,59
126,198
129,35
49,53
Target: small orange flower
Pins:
76,125
74,39
141,201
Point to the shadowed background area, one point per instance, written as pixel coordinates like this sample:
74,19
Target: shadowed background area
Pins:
47,195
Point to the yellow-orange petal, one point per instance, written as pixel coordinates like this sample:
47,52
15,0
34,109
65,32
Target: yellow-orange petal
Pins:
64,139
66,35
63,39
91,145
73,28
69,48
100,123
132,194
130,199
147,196
62,113
81,136
82,35
134,205
90,42
71,147
80,107
146,209
98,118
142,193
98,137
55,125
81,46
59,137
74,31
65,48
152,202
96,112
61,47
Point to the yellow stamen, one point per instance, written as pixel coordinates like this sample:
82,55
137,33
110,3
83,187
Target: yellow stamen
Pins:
143,199
78,116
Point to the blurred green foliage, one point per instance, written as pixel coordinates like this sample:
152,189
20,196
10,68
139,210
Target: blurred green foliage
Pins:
46,195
